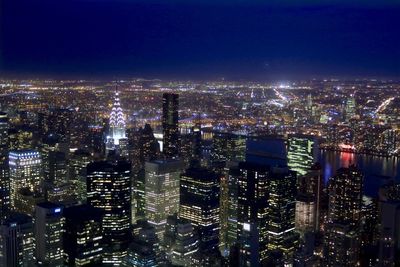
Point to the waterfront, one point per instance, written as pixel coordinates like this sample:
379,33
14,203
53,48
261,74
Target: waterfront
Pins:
377,170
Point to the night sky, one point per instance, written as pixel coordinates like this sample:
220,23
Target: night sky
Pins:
194,39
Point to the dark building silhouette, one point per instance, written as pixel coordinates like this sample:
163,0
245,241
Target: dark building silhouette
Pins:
4,168
344,217
49,227
199,204
170,120
109,188
144,250
17,242
265,213
83,236
149,147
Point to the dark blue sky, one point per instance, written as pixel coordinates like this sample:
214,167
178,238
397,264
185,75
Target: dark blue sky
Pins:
199,39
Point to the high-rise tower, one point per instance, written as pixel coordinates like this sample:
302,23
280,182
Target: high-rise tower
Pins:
199,204
116,134
170,119
4,171
108,188
161,192
49,228
25,174
344,217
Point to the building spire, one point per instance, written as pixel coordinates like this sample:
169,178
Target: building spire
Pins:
117,124
117,119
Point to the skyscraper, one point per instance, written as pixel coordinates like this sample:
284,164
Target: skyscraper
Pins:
389,251
266,211
4,168
343,233
309,198
228,147
49,229
199,204
25,172
302,153
170,120
281,212
108,188
350,108
149,149
186,245
17,243
250,182
116,131
161,192
144,250
232,206
83,236
58,168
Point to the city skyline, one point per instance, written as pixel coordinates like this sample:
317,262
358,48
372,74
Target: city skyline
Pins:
173,133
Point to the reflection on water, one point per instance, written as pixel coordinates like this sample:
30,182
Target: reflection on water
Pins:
377,170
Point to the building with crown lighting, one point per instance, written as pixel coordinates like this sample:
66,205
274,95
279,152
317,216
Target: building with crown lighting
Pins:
25,172
116,136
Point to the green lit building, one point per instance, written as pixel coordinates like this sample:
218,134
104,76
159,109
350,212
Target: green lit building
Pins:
302,153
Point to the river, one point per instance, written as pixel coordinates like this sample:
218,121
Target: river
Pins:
377,170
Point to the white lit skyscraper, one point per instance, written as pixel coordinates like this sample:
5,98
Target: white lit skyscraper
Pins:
25,171
116,134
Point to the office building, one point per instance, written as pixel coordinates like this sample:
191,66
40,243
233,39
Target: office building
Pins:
232,206
186,245
144,250
199,204
228,147
149,147
83,236
170,124
350,108
281,212
49,229
25,172
309,200
4,168
161,192
58,168
265,213
77,173
108,188
344,217
302,153
17,242
389,242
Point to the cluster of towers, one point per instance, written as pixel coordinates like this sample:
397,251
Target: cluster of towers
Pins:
231,200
